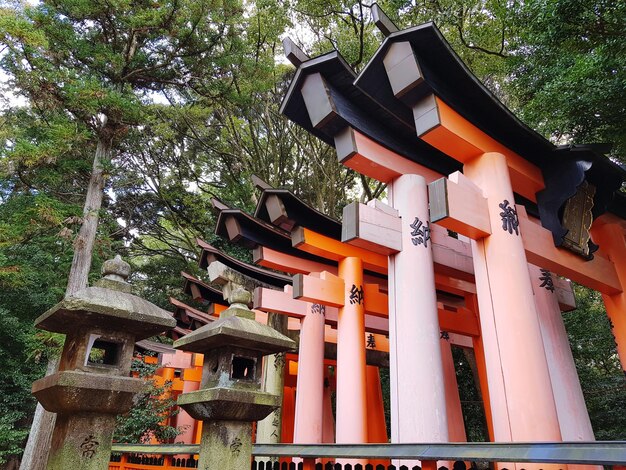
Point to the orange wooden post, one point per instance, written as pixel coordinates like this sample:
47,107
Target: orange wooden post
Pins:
351,381
481,369
308,464
429,465
289,405
309,419
456,426
568,396
123,462
520,390
376,426
609,234
328,434
418,405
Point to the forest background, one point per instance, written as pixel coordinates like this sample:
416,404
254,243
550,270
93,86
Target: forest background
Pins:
161,105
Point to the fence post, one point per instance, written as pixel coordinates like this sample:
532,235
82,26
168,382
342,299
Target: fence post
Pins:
429,465
308,464
123,461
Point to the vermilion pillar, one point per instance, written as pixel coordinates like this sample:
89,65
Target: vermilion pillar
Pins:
522,402
610,235
289,400
328,434
377,428
351,427
568,396
456,425
418,404
184,421
308,427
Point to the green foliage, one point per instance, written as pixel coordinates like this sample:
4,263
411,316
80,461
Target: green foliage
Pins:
569,71
18,373
150,410
597,363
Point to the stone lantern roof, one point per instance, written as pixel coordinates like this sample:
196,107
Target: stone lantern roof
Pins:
238,327
109,305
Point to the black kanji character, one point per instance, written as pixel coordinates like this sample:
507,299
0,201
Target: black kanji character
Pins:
356,294
420,233
510,222
89,446
546,277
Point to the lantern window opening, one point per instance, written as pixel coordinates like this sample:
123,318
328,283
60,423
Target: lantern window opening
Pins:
243,368
103,352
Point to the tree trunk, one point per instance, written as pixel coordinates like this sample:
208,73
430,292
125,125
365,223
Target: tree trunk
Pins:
38,446
83,244
36,450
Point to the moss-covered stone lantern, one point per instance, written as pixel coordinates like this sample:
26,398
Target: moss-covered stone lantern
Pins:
230,398
92,386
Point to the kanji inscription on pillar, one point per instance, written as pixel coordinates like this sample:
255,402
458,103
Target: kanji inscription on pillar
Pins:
275,424
546,280
279,360
510,222
235,446
89,447
356,295
420,233
318,309
371,341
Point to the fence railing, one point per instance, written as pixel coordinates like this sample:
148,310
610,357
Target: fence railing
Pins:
592,453
612,453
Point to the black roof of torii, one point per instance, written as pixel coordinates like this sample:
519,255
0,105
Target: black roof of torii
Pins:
367,103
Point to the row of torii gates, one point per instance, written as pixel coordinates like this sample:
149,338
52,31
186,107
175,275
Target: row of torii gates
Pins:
482,213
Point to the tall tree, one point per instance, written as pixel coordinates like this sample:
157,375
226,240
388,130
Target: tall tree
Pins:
568,74
88,71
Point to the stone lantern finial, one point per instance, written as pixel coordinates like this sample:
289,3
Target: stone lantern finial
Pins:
115,274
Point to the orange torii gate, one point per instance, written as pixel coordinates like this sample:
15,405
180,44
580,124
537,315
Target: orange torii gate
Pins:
374,301
278,301
416,113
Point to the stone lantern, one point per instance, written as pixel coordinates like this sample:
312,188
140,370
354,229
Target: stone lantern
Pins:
92,386
230,398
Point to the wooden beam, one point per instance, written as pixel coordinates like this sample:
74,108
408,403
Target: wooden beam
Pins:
279,261
320,104
283,302
326,247
318,290
382,21
233,229
372,228
463,321
459,205
403,71
257,181
459,138
454,285
277,212
376,302
294,54
369,158
565,293
276,301
598,274
273,259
